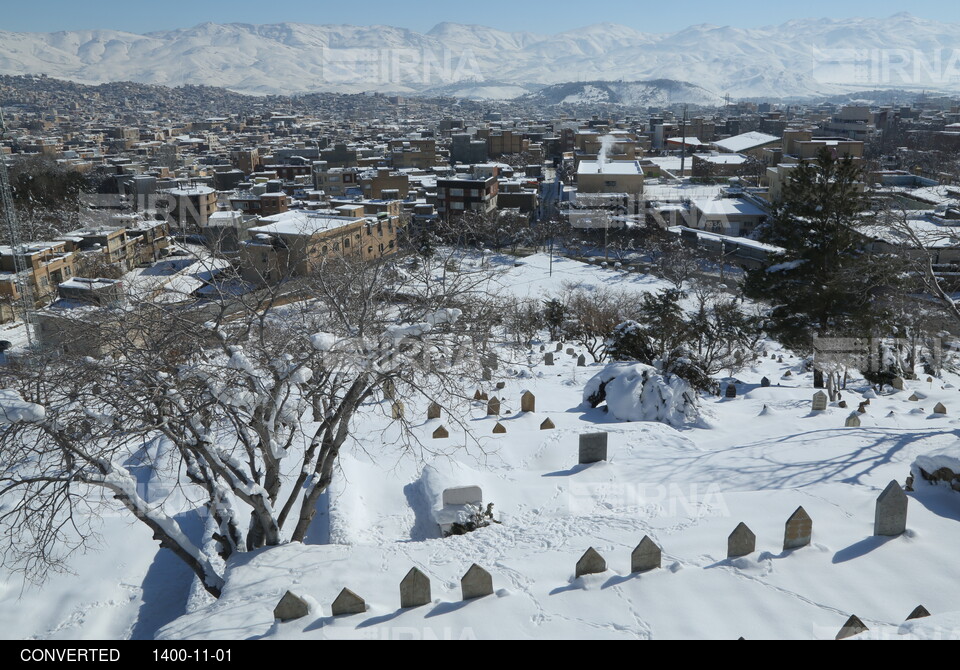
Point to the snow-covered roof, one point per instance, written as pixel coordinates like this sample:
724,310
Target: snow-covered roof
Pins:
610,167
727,207
746,141
302,223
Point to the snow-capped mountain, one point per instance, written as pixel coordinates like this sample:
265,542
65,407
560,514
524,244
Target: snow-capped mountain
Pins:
801,57
657,92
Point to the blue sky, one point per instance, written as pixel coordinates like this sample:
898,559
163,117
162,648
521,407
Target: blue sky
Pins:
659,16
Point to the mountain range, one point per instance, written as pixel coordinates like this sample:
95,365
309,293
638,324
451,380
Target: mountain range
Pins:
808,57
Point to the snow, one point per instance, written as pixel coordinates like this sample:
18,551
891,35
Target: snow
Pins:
14,409
746,141
686,485
637,392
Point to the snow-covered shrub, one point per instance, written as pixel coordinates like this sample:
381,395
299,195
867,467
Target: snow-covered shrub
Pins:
638,392
476,517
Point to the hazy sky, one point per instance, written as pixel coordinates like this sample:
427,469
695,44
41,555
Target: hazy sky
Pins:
659,16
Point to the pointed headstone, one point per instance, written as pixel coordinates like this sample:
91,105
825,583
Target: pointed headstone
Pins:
646,556
591,563
484,397
890,518
593,448
914,398
919,613
940,409
764,383
581,361
853,421
493,406
528,402
434,411
389,390
897,383
819,401
548,358
547,424
788,373
477,395
396,411
499,429
731,391
348,602
741,541
476,583
414,589
291,607
798,531
441,433
862,408
853,627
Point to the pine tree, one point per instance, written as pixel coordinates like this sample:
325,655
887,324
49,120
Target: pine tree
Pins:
825,282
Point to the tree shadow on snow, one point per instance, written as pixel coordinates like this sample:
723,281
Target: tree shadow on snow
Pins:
938,499
166,586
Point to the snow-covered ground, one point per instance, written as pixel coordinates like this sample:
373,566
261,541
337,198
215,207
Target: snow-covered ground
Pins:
754,459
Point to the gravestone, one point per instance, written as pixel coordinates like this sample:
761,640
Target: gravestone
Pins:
591,563
853,627
487,375
646,556
581,361
914,398
788,373
484,397
571,352
547,425
853,421
501,385
897,383
764,383
780,359
476,583
593,448
731,391
891,512
817,379
842,404
543,348
528,402
490,361
548,358
434,411
389,390
462,495
414,589
396,412
348,602
559,346
291,607
798,530
478,395
919,613
499,429
741,541
940,409
493,406
819,401
441,433
862,408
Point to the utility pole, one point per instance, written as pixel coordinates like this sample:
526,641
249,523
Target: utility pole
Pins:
20,265
683,142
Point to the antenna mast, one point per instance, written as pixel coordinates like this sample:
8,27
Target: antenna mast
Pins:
20,265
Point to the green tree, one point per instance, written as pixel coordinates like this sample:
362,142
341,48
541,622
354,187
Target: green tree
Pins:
826,282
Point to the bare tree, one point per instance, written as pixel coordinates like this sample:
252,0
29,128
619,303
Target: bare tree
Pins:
237,393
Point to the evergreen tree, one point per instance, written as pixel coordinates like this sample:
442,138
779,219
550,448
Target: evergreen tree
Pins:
825,282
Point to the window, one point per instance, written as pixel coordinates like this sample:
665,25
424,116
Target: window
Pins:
323,249
456,192
391,244
456,205
370,250
346,243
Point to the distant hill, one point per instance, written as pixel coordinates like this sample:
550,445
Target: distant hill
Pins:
798,58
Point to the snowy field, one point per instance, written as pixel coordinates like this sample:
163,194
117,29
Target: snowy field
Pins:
753,459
